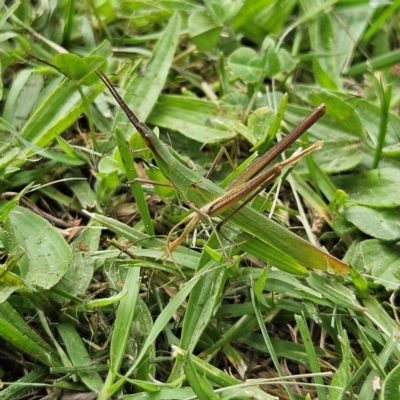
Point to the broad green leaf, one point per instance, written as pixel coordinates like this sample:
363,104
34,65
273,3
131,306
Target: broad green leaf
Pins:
93,63
78,354
274,126
322,76
83,192
72,66
357,18
78,69
47,254
327,129
340,110
19,82
223,10
354,112
243,130
104,49
326,46
380,224
378,188
108,165
259,18
249,11
246,64
270,58
370,115
22,98
143,91
204,32
335,157
106,9
379,259
239,100
286,61
295,252
199,120
260,121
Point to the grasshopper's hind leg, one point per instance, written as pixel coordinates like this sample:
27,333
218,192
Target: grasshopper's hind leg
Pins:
217,159
193,220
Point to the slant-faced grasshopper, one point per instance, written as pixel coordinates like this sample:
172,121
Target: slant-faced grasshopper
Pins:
209,199
233,196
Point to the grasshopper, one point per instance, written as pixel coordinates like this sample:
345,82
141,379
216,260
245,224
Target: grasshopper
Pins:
235,194
208,199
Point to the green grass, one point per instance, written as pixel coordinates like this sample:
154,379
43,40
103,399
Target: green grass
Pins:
88,300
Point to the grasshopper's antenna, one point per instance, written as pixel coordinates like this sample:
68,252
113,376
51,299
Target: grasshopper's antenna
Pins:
129,113
145,132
